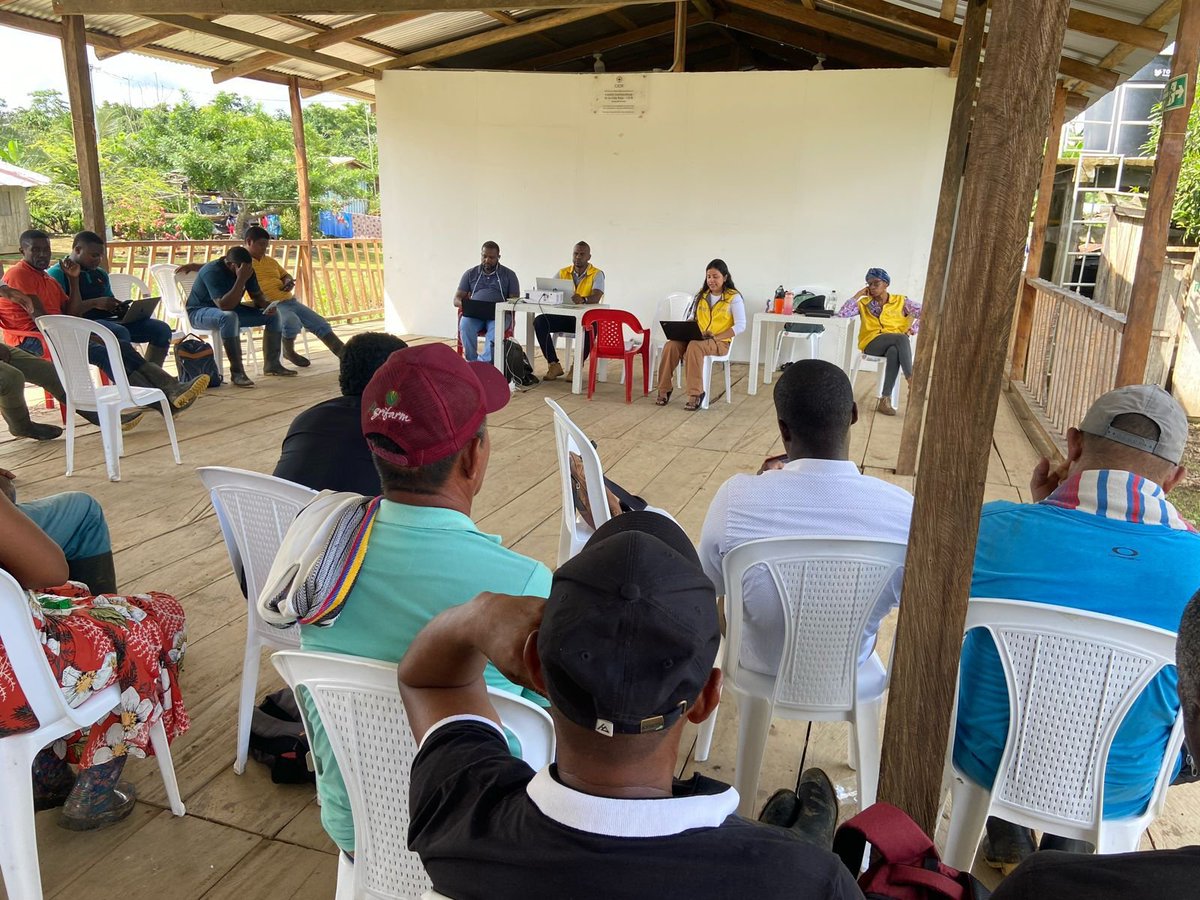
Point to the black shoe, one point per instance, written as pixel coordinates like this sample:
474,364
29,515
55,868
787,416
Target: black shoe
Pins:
817,812
781,809
1005,845
1066,845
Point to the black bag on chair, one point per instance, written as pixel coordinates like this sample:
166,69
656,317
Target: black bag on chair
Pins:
194,357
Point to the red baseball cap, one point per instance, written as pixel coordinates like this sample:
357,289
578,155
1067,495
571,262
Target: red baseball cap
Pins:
430,402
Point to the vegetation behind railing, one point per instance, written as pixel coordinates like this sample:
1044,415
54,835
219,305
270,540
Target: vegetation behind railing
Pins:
1073,350
347,275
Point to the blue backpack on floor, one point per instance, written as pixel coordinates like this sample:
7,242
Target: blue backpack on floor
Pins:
194,357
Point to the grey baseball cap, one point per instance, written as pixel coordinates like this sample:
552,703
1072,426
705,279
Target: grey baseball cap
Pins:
1147,400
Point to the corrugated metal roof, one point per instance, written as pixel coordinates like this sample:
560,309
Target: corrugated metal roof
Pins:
15,176
442,27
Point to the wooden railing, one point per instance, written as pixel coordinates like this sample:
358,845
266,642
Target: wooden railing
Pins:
1073,349
346,275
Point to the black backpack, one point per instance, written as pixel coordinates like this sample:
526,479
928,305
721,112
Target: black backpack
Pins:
194,357
277,739
516,365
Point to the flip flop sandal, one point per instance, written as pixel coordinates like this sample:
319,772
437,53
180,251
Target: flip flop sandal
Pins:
663,399
693,403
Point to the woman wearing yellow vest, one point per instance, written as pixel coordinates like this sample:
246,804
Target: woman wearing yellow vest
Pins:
885,322
719,311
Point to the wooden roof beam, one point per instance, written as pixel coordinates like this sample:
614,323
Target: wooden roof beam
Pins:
949,10
155,8
1138,36
1162,16
224,32
580,51
621,19
139,39
1101,78
479,41
505,19
318,28
850,29
902,15
339,35
810,42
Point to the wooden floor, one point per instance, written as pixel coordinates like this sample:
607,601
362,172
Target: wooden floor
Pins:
244,837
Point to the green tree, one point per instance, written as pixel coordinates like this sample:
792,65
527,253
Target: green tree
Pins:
1186,210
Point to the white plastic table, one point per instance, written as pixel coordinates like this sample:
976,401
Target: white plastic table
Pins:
532,311
848,329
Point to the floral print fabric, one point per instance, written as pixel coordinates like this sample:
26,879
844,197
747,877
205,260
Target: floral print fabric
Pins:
135,641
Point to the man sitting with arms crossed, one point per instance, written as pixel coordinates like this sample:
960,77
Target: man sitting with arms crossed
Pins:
101,306
215,302
1100,536
34,293
589,288
280,288
1118,876
424,415
624,648
812,490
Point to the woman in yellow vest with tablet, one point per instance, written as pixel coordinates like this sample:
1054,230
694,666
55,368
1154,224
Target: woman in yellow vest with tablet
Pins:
885,322
719,313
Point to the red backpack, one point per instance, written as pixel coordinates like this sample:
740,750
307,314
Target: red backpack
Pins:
904,863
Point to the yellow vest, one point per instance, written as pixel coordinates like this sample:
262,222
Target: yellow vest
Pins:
891,320
717,318
584,288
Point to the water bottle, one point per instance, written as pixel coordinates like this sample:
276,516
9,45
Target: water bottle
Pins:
833,301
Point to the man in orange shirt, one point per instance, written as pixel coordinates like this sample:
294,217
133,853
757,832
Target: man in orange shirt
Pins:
34,293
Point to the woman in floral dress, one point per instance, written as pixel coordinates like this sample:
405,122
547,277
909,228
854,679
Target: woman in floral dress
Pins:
91,642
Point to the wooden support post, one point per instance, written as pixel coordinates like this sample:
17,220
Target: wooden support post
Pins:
1026,295
1006,147
968,53
681,24
305,206
83,122
1147,277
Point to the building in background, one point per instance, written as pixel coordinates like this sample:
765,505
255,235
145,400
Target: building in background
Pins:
14,210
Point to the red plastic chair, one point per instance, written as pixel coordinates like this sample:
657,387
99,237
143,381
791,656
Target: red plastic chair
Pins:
608,342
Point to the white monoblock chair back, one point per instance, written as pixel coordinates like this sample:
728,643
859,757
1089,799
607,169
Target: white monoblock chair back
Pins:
358,702
171,308
23,646
254,511
68,338
878,364
183,286
1072,676
128,287
828,587
671,308
569,438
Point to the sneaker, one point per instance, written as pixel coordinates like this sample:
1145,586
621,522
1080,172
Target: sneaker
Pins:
555,370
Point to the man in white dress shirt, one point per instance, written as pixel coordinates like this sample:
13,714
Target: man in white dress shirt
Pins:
812,490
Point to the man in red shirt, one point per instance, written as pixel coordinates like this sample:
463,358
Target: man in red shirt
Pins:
34,293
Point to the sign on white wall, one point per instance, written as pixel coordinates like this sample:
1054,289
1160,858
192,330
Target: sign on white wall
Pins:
619,95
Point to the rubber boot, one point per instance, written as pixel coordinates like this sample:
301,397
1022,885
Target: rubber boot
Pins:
182,394
292,355
233,353
334,343
20,425
99,798
156,355
272,343
97,572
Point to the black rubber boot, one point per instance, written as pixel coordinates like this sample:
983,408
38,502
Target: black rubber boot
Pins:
233,353
156,355
334,343
817,809
272,345
97,572
20,425
292,355
182,394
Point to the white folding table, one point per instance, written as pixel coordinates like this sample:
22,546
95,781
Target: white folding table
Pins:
847,329
532,311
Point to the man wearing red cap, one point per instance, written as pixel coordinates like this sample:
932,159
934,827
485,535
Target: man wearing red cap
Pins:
424,417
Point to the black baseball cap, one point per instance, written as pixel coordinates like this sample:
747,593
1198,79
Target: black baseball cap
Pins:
630,631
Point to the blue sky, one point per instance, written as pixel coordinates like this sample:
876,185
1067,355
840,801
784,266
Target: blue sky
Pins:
128,78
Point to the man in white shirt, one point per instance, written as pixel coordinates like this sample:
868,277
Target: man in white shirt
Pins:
813,490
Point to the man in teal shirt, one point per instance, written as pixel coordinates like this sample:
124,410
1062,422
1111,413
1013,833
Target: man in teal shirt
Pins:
424,417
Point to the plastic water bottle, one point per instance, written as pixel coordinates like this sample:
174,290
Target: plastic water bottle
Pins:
833,301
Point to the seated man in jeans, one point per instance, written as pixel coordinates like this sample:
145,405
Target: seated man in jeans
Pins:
589,288
279,287
479,290
624,648
215,302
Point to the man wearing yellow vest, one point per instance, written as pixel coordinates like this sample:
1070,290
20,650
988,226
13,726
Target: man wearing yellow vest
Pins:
589,288
885,322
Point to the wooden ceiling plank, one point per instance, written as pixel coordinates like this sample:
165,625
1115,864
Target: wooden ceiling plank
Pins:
851,30
580,51
1117,30
339,35
847,52
224,32
1100,77
902,15
621,19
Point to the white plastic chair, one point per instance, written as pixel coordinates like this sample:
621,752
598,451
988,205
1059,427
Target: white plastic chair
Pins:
709,362
172,307
877,363
68,338
828,587
569,438
1074,675
671,308
358,702
128,287
22,644
255,512
793,337
183,289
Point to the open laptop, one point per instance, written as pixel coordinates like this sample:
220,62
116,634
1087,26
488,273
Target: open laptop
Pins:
138,310
566,285
682,331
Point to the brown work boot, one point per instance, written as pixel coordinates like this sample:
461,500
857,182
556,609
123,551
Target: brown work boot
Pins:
885,406
554,370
